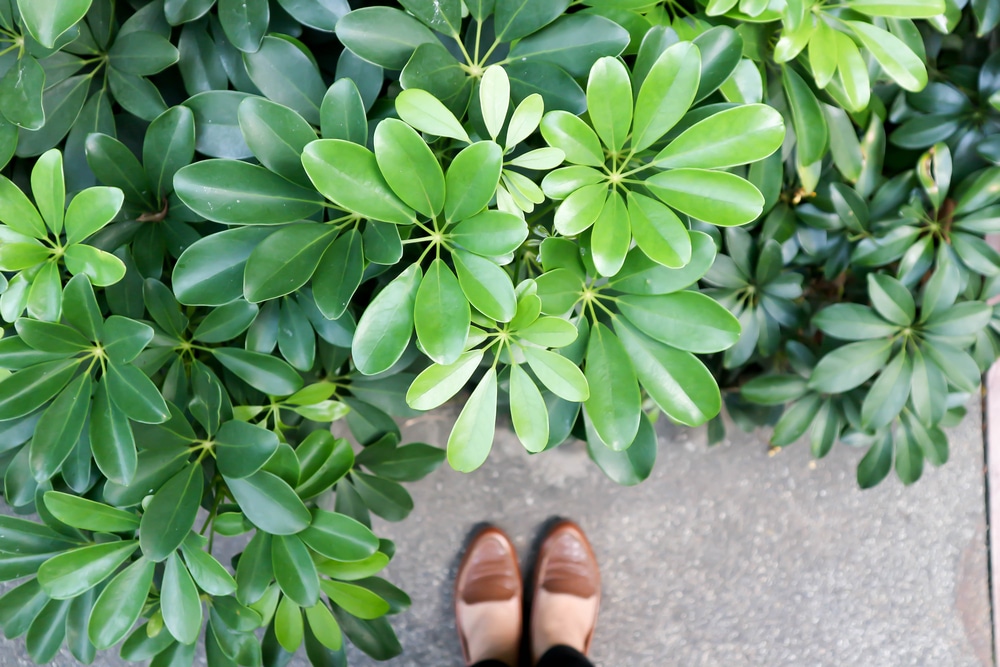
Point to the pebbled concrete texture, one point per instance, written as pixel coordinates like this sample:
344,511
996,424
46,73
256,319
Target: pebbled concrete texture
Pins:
726,555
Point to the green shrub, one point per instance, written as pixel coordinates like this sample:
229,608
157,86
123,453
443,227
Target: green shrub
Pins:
225,225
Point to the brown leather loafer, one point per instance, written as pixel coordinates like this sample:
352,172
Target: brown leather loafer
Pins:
489,598
567,591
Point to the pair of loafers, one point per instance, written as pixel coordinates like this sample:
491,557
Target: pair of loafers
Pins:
566,589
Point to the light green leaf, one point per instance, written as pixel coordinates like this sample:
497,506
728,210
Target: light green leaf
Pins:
614,405
676,380
49,189
472,180
90,211
895,57
101,267
811,131
437,383
494,98
472,435
612,236
348,175
486,285
716,197
686,320
573,137
914,9
409,167
88,514
658,232
743,134
666,93
527,410
609,101
441,314
426,113
385,327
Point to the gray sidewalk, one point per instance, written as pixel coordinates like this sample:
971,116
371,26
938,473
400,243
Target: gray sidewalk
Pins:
725,556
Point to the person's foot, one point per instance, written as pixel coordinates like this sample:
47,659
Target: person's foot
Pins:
567,592
488,599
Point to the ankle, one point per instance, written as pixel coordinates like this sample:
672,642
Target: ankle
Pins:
562,620
492,631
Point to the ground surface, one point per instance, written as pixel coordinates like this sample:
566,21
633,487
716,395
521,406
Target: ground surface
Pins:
725,556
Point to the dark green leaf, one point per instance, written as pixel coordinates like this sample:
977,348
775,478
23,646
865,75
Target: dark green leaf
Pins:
216,121
340,272
235,192
136,395
179,602
27,390
88,514
294,570
168,146
269,66
74,572
270,503
210,271
628,467
385,328
21,94
120,604
287,261
574,42
849,366
245,23
383,35
141,53
877,463
46,20
261,371
60,428
519,18
170,515
339,537
242,448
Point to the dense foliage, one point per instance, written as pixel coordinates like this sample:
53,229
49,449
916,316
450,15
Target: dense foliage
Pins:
225,224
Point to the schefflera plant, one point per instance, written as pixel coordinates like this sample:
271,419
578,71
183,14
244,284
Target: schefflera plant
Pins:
120,465
463,306
645,170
